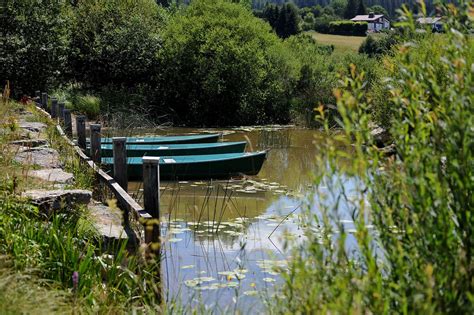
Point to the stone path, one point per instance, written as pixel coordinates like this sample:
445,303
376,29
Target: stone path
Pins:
34,151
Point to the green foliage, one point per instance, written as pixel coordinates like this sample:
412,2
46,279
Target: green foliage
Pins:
33,44
86,104
222,66
321,24
284,20
347,28
115,42
378,9
412,211
351,9
361,9
339,6
378,45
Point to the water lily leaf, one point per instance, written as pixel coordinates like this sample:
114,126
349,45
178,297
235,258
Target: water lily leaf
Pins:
251,293
175,240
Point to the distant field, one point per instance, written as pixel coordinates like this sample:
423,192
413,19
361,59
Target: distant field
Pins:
341,43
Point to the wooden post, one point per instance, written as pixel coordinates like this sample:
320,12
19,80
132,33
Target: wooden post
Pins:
95,143
44,100
81,131
67,122
60,113
151,200
54,107
120,161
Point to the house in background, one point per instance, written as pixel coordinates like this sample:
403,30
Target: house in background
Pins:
436,23
376,22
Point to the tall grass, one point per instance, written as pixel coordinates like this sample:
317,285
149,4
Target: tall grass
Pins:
62,252
413,245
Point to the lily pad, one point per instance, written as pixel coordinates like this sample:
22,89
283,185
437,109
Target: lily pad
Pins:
251,293
175,240
269,279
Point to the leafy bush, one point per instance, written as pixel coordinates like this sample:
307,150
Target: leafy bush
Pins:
348,28
378,45
413,211
222,66
33,44
115,42
321,24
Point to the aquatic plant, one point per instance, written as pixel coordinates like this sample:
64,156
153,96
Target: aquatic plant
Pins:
418,200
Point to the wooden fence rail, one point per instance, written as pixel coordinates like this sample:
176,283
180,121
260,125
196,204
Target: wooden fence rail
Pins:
148,218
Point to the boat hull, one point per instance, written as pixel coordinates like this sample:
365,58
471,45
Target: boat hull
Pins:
216,166
201,138
134,150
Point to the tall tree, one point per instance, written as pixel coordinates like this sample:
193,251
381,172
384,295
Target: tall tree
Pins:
339,6
292,20
361,8
351,9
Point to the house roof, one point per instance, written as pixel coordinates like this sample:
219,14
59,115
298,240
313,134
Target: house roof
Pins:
428,20
365,18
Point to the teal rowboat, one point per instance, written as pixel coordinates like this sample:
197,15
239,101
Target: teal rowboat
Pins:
216,166
139,150
201,138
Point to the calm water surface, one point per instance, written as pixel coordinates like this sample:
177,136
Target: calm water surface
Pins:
224,241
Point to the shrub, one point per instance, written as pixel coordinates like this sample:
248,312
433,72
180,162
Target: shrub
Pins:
412,246
33,44
378,45
348,28
222,66
321,24
115,42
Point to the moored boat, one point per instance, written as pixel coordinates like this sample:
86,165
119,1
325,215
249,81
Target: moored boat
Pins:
199,138
139,150
215,166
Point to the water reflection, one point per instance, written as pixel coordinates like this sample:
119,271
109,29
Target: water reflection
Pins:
225,241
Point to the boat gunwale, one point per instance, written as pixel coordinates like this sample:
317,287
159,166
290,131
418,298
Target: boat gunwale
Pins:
238,156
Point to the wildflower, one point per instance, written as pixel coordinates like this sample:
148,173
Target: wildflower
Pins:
75,280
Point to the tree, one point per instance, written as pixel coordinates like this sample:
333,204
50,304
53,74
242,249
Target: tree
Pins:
33,44
378,9
351,9
339,6
220,65
115,42
361,9
290,23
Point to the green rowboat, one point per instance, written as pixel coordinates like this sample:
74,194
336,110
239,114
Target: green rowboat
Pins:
216,166
201,138
138,150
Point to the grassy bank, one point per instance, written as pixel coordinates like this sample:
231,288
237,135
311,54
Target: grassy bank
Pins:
59,257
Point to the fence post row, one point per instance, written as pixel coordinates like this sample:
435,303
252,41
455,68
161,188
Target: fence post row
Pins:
81,131
120,161
95,143
151,199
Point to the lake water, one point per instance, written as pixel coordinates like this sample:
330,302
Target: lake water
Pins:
225,241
